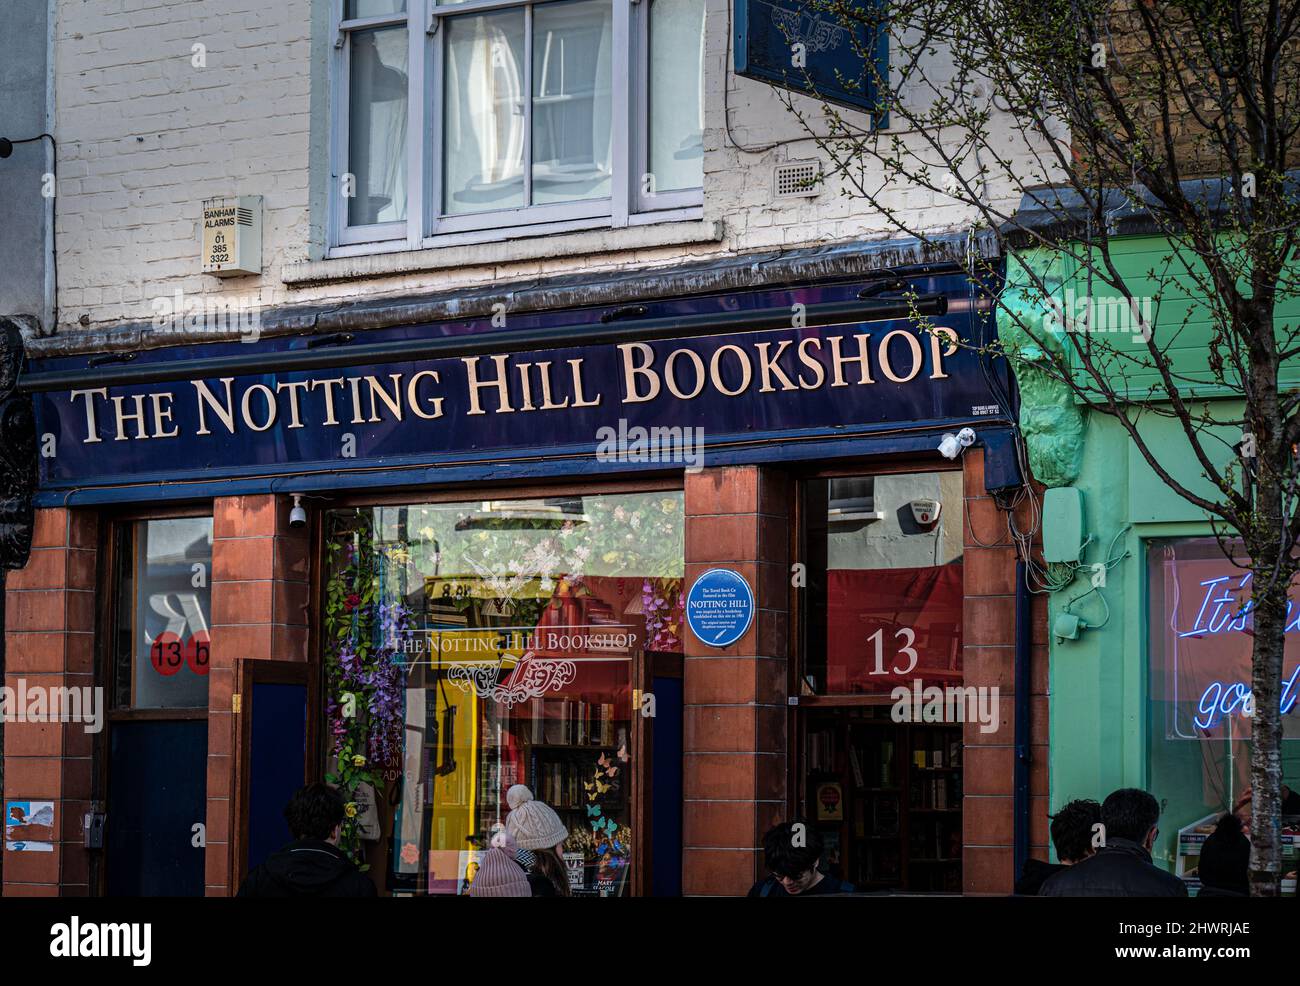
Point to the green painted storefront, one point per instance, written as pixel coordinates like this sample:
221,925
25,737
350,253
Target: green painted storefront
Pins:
1107,731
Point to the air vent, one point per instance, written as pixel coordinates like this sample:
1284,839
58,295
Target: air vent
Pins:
797,179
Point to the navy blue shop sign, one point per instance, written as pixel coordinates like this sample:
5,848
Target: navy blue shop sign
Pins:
746,396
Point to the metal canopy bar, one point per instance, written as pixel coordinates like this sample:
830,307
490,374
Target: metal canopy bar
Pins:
524,340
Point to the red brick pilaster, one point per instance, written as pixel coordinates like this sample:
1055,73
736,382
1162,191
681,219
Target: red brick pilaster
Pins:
49,643
989,637
260,603
734,779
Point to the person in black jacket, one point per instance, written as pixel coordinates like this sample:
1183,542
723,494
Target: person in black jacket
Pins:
1122,867
1224,869
1072,830
792,851
311,865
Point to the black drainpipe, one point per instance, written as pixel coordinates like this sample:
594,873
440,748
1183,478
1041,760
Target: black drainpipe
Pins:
1024,651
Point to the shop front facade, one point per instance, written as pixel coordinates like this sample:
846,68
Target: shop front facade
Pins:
427,558
1149,622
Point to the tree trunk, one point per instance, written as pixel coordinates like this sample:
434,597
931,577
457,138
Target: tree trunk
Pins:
1269,613
3,575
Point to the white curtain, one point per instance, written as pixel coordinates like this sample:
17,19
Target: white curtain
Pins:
677,94
483,161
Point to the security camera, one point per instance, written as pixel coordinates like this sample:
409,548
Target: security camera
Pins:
950,446
298,515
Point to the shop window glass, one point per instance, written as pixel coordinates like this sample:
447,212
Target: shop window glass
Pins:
473,646
885,582
161,643
1199,667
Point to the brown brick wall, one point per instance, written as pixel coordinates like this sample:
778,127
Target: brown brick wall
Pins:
49,641
989,632
260,610
734,767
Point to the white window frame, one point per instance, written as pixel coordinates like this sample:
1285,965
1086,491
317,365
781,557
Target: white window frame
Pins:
659,201
425,226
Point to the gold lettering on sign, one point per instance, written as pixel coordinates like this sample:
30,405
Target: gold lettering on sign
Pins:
632,371
886,367
330,418
295,421
91,426
575,368
226,412
412,397
501,383
161,414
937,356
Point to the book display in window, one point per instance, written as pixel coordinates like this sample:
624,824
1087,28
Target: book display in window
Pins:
898,825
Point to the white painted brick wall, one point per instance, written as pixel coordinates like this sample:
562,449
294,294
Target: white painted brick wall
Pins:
144,137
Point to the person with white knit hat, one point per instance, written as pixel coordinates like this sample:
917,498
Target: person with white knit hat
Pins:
535,826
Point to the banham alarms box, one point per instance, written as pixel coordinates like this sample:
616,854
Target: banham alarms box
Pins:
232,236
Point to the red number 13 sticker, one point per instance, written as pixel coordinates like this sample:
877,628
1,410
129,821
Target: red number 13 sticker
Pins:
167,655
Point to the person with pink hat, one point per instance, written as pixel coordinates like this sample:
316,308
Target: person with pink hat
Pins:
535,826
499,873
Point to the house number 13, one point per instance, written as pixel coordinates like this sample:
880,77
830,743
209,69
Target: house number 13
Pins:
878,639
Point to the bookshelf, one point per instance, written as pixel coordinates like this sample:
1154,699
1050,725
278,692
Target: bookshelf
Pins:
886,799
561,741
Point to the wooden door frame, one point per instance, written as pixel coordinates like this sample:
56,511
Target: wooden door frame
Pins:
797,797
108,597
646,668
247,673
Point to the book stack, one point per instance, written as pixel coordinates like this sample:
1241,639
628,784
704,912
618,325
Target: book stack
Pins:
570,722
560,784
935,792
821,750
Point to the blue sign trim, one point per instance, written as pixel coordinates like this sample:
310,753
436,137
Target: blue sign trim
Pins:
1001,469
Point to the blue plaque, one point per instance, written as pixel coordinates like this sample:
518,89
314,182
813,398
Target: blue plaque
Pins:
719,607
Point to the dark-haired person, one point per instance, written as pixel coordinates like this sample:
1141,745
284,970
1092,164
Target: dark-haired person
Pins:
791,851
1224,869
1289,808
1072,829
311,865
1122,867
